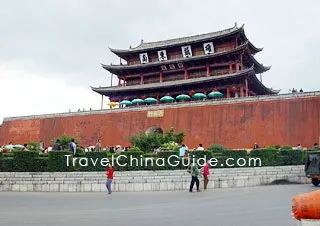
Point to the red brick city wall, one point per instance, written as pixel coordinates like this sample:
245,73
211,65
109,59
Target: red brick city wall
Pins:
283,122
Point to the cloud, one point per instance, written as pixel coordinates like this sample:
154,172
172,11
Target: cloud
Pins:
61,43
25,92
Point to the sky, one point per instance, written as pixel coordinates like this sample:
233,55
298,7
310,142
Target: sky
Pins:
51,51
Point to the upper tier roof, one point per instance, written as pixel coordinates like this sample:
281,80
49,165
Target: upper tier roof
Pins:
116,69
144,46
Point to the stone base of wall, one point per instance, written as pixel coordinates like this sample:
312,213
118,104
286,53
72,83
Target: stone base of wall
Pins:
137,181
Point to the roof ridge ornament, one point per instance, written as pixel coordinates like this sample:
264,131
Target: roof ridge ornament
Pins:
236,24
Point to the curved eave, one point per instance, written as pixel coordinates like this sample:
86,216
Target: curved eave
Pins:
117,68
263,88
258,67
254,49
125,52
179,83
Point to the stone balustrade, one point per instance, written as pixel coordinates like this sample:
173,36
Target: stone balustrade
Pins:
138,181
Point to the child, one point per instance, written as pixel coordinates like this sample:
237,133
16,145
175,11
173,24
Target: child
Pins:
109,174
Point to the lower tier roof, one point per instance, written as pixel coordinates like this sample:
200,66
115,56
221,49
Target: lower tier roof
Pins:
211,81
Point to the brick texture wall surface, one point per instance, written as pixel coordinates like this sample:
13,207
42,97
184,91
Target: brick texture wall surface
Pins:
237,125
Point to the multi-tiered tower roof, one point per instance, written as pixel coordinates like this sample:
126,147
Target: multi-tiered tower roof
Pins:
222,61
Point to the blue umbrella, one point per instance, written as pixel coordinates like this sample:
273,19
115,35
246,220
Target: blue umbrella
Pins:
137,101
167,99
215,94
199,96
183,97
126,102
150,100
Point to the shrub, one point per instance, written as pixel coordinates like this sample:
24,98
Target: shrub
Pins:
269,157
34,146
7,165
171,146
149,142
24,161
8,154
286,148
55,161
172,137
217,147
94,161
166,154
201,154
134,149
58,161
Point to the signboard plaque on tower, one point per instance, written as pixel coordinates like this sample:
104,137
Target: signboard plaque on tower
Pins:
208,48
186,51
144,58
155,114
162,55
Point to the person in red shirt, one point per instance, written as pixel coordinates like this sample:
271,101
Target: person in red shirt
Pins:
205,173
109,174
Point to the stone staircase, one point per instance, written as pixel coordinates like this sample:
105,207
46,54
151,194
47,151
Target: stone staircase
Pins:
138,181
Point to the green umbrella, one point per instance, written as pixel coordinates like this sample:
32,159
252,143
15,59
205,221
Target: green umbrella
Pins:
215,94
183,97
167,99
137,101
126,102
199,96
150,100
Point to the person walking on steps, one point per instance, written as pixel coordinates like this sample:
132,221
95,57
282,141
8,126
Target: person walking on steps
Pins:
109,174
195,172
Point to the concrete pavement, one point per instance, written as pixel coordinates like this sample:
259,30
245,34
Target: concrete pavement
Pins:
266,205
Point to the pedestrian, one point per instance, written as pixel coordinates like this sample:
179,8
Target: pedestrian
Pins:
109,174
57,146
73,147
195,172
98,146
205,173
200,148
299,147
182,151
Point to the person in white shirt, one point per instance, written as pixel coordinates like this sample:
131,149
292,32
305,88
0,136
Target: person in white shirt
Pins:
200,148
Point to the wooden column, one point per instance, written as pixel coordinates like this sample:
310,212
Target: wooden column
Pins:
241,91
119,82
101,102
124,82
141,80
247,91
228,93
230,68
161,76
185,73
236,43
237,67
208,71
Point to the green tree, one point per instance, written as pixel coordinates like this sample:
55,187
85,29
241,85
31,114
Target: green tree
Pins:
149,142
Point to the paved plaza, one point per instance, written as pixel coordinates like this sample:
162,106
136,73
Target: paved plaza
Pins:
267,205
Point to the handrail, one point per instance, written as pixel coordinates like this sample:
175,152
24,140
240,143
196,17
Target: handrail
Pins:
174,105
